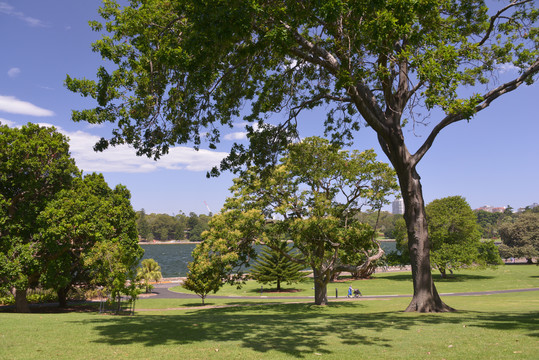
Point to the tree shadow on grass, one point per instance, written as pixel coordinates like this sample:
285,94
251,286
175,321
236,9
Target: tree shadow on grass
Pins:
297,330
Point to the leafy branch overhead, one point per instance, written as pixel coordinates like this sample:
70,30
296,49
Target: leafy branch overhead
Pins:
185,68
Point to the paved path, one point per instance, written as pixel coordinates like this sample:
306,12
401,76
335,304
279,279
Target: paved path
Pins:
161,291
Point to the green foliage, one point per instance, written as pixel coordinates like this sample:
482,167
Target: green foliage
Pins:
402,255
143,227
225,250
520,236
34,166
454,234
149,270
489,223
273,266
192,64
79,219
163,227
315,192
112,266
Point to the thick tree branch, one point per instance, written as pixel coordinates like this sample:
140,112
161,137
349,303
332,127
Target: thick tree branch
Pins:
329,60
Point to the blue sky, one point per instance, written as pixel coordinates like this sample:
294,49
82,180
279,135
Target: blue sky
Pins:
492,160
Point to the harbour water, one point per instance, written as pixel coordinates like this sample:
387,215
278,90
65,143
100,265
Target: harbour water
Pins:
173,258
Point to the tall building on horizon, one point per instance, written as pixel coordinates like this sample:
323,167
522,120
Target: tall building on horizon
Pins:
397,207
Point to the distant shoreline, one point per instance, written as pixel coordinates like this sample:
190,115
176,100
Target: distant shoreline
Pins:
172,242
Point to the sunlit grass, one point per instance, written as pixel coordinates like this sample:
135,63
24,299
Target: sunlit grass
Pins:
486,327
504,277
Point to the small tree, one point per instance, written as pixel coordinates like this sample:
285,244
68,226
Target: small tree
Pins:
149,270
208,270
115,270
272,266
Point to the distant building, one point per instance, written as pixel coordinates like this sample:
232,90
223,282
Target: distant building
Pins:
532,206
397,207
492,209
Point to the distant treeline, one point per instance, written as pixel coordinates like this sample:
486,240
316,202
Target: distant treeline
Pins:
163,227
490,223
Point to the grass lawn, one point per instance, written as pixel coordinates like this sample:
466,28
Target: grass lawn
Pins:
503,326
400,283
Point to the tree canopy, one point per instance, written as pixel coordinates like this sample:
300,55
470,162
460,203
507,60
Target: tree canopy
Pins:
454,232
520,236
311,197
35,165
455,236
178,71
52,218
79,219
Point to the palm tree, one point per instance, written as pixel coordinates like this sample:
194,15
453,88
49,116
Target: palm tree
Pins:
149,270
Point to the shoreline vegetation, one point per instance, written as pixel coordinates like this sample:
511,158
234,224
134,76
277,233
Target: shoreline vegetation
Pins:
170,242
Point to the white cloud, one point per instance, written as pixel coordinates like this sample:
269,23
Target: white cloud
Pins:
7,9
241,135
13,72
12,105
123,158
507,67
7,122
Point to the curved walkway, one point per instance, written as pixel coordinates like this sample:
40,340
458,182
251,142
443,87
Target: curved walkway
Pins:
161,291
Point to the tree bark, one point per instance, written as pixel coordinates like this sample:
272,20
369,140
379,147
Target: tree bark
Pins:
426,297
62,296
21,303
320,288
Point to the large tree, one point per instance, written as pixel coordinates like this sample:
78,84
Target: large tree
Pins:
76,221
182,68
35,165
312,197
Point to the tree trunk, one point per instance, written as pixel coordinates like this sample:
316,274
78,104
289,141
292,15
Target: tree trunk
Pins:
21,303
62,297
425,298
320,288
442,273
